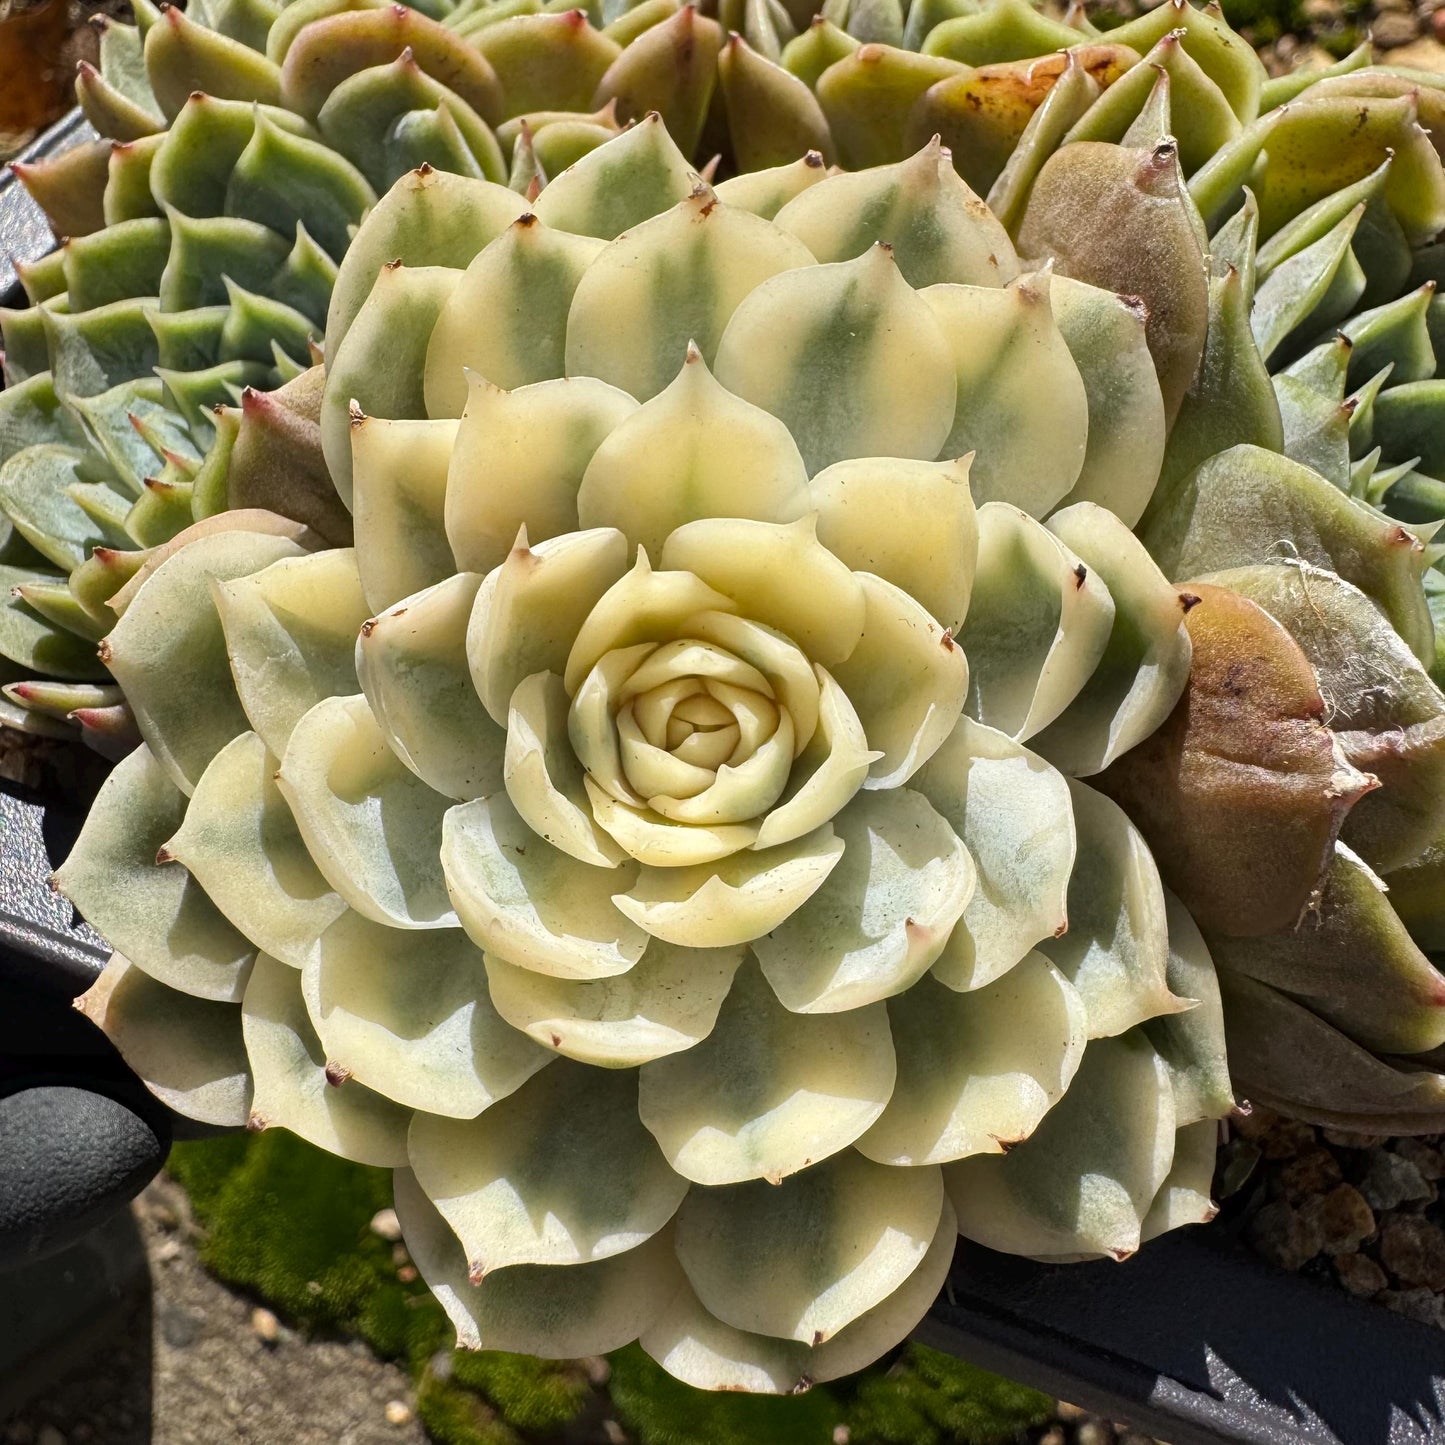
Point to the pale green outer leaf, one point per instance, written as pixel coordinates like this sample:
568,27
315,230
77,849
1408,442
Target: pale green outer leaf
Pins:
847,355
1145,664
246,519
735,900
428,218
1191,1042
370,823
395,321
694,1346
779,575
1184,1196
519,459
560,1172
169,653
938,229
977,1071
408,1015
534,611
241,844
1116,950
767,191
805,1259
1008,354
1084,1180
678,278
1014,815
531,904
881,917
35,644
907,680
912,523
768,1092
544,777
666,1002
507,319
398,500
291,633
1352,962
1038,624
160,917
692,451
412,663
617,186
1239,507
188,1051
1341,1084
555,1311
1105,336
38,486
293,1089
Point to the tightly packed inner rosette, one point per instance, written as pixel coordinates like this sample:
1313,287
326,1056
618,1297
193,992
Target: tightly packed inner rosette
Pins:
660,838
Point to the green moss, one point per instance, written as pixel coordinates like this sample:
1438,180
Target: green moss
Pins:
291,1225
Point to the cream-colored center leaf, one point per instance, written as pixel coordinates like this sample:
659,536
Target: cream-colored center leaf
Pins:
687,729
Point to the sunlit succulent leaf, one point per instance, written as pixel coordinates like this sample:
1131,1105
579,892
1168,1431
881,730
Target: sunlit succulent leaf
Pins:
239,842
410,1017
601,1189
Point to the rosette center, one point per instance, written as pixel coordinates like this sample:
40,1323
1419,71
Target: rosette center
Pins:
697,734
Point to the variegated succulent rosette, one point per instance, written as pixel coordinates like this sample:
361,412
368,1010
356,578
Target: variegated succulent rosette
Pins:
632,839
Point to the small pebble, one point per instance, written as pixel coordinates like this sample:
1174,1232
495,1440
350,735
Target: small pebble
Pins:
1254,1123
398,1412
1345,1219
1070,1412
1392,1180
1430,1162
1314,1172
1054,1435
1392,30
614,1434
1095,1432
599,1370
1359,1274
1413,1250
1287,1138
49,1435
1288,1236
266,1326
841,1434
399,1254
385,1224
1350,1139
406,1273
313,1288
179,1327
1416,1304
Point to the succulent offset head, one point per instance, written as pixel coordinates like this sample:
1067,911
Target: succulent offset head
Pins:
633,839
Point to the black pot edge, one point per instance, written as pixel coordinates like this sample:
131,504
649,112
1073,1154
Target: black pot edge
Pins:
1194,1341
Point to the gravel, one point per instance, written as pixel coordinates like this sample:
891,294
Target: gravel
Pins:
1363,1210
